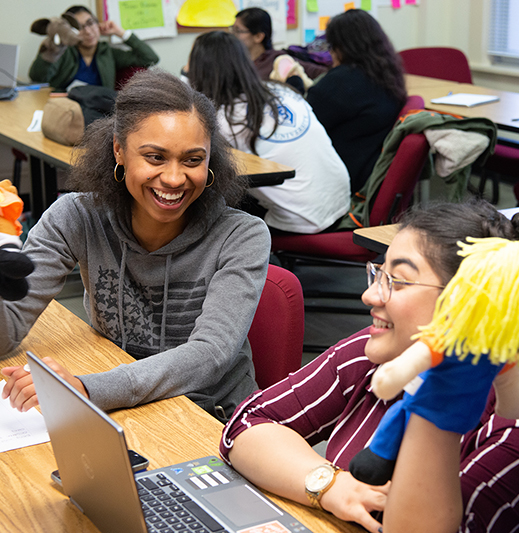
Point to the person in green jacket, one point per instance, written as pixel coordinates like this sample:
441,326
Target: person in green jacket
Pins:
91,61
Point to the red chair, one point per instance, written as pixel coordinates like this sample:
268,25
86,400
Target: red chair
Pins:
338,248
393,197
413,102
452,64
277,330
437,62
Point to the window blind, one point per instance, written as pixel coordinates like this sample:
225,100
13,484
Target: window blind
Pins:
503,45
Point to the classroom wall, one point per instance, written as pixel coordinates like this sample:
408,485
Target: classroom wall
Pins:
462,24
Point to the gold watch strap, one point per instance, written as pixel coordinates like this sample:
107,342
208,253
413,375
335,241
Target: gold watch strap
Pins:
315,499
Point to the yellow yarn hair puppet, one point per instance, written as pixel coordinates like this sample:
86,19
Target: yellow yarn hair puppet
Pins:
14,265
447,374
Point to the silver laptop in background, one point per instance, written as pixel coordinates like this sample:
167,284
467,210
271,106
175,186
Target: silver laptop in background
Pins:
9,55
91,452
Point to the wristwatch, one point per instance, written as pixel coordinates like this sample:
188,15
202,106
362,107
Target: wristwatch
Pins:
318,481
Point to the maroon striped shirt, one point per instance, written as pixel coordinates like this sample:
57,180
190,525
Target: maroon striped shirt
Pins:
331,399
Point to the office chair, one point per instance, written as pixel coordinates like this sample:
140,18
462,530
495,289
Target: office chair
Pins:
437,62
338,248
452,64
277,330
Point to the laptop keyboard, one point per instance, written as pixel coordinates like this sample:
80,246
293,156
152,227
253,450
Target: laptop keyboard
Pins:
167,509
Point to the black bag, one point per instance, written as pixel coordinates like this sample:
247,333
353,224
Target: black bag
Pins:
95,101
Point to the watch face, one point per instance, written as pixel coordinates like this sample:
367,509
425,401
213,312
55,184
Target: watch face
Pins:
319,478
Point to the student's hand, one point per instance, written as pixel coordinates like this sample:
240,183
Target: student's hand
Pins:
20,388
353,501
108,27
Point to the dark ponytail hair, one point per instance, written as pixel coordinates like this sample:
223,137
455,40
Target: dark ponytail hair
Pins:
220,68
442,225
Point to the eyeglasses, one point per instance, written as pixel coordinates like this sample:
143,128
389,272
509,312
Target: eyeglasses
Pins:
385,281
88,24
237,31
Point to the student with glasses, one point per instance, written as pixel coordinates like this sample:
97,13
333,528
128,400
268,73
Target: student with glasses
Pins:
253,27
441,479
92,61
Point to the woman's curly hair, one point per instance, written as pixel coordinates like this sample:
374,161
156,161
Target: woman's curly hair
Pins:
359,40
148,93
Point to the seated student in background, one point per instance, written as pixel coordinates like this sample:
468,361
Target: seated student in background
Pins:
275,122
433,488
359,99
172,273
93,62
253,27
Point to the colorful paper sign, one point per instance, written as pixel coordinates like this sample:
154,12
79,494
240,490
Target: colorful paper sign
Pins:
312,6
137,14
323,22
349,5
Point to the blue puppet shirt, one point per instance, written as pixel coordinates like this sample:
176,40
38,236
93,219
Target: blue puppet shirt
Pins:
452,396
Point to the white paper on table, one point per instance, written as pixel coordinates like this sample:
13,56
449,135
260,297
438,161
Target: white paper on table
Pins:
18,430
36,121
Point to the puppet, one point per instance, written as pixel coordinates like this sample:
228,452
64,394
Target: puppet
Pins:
14,265
471,343
60,31
285,67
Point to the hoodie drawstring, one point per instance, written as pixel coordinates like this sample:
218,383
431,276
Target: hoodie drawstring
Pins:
121,295
165,305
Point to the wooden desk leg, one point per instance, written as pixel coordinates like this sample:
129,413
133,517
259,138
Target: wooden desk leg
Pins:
51,184
36,188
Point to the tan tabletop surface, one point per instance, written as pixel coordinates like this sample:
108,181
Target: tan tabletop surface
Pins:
502,112
31,502
376,238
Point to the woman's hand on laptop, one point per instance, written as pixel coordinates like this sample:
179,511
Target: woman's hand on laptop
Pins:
20,388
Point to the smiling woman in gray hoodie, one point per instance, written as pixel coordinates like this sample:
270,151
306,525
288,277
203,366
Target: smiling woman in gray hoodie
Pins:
172,273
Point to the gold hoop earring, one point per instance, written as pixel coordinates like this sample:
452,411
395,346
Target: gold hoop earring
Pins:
212,174
115,174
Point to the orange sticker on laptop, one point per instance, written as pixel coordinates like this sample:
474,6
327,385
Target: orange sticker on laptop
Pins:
269,527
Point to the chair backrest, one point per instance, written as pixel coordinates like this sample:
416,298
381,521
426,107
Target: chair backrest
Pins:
123,75
437,62
396,191
414,101
276,333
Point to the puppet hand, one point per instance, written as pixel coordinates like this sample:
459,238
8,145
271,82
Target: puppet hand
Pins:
391,377
15,266
351,500
387,381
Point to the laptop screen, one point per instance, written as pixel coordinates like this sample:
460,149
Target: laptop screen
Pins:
9,65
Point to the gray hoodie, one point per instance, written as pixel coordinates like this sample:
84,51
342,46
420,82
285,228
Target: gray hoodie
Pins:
183,311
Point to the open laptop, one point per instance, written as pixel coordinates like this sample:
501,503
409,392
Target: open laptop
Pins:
9,54
200,496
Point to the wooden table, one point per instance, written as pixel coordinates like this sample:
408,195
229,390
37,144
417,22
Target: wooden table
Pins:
166,432
46,155
376,238
502,112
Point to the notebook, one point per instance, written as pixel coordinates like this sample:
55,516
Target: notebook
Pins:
466,99
8,70
199,496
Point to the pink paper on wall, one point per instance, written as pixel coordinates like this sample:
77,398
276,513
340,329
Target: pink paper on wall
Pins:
396,4
291,12
410,2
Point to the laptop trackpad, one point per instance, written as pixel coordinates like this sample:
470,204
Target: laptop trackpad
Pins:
242,505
